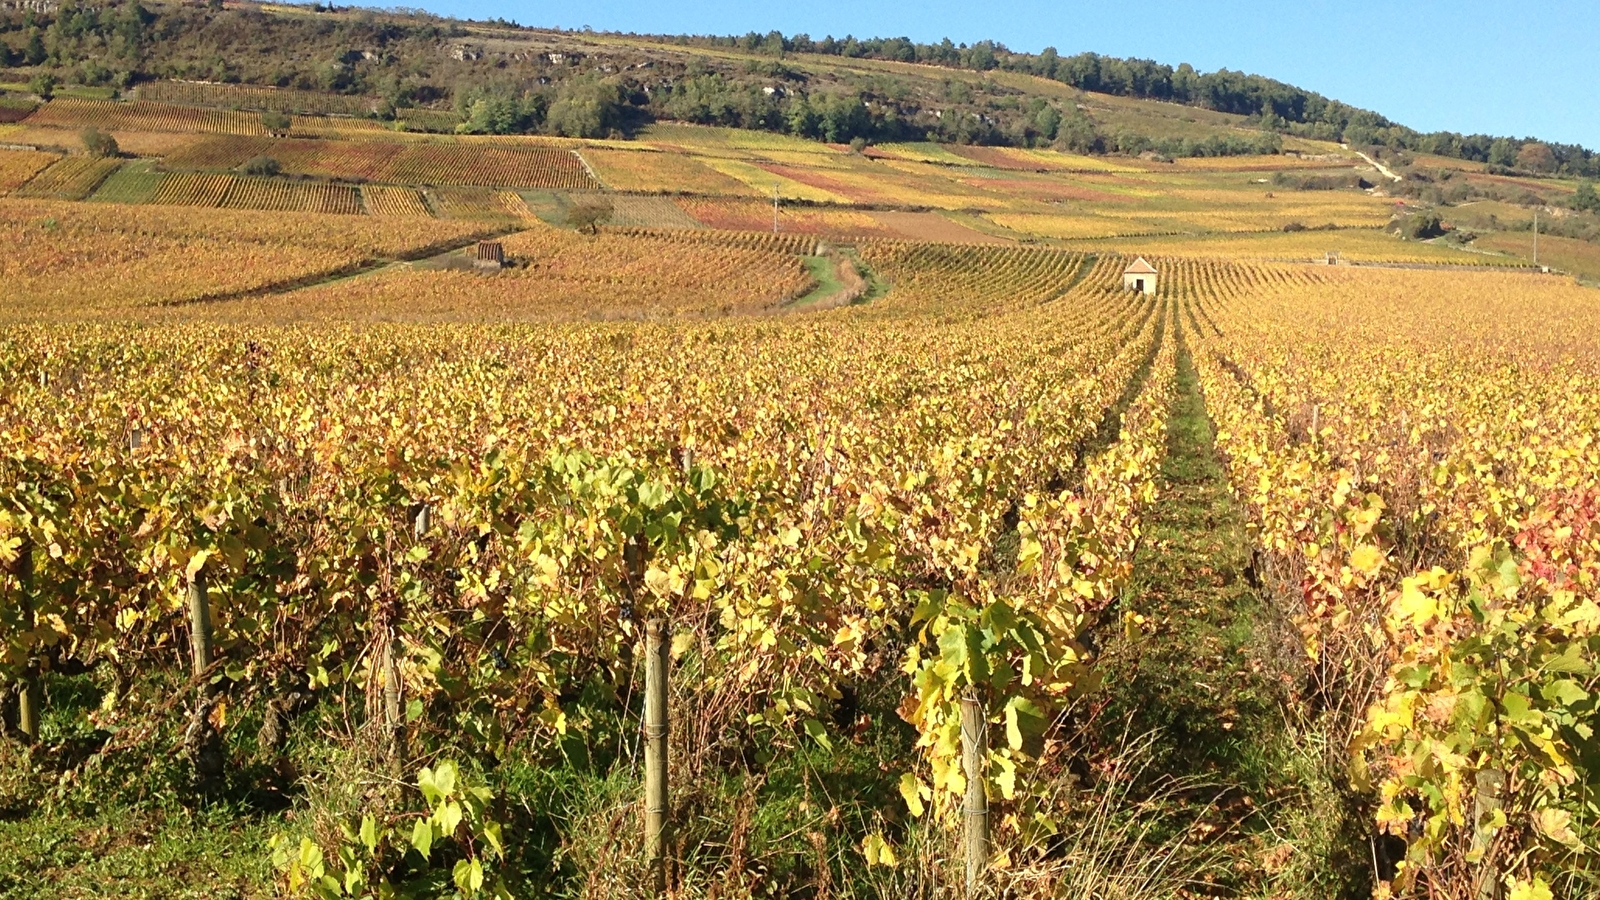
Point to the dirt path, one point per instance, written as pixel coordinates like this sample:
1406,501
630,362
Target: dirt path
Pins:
1382,169
1201,681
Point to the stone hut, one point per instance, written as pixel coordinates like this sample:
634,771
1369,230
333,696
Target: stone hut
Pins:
489,256
1140,277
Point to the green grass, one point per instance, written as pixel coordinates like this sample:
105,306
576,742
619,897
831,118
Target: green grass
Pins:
190,854
826,275
133,183
1206,681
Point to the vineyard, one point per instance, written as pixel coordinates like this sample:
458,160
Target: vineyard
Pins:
893,545
558,276
17,166
67,260
144,115
1433,514
72,178
707,512
239,96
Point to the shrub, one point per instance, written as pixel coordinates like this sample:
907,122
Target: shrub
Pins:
99,143
588,217
44,84
277,124
1421,226
262,165
1585,199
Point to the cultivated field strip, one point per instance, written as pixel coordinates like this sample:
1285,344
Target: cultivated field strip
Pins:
72,178
1418,454
241,96
17,166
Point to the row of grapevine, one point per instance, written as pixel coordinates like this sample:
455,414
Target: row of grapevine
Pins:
241,96
455,164
18,166
385,200
485,534
68,260
143,115
72,178
1419,454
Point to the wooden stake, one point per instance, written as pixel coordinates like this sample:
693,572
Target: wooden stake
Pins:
974,750
655,754
393,699
28,696
199,625
1490,783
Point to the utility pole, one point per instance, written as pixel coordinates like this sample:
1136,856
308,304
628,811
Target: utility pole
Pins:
774,207
1536,235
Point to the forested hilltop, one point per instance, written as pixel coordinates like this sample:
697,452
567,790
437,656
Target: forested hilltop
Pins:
499,77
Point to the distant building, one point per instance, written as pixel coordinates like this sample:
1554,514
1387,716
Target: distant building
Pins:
489,255
1141,277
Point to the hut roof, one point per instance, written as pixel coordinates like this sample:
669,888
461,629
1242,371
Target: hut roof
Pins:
1139,267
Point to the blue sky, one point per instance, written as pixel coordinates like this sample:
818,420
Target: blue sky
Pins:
1523,69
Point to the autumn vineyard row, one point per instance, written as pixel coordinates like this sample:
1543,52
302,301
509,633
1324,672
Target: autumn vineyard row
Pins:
921,491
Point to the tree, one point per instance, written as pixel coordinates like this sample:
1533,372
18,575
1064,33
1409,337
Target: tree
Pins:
1584,198
34,53
43,84
1421,226
276,123
588,217
585,107
1048,122
1503,152
1536,157
99,143
262,165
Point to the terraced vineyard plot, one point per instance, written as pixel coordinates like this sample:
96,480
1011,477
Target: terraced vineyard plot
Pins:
755,215
560,276
220,152
70,140
72,260
520,167
186,189
642,170
17,166
387,200
72,178
292,196
343,160
477,203
1085,225
289,100
143,115
133,183
791,244
638,212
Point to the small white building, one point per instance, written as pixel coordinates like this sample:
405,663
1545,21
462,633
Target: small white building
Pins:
1140,276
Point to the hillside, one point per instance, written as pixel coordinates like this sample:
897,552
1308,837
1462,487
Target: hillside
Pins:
501,77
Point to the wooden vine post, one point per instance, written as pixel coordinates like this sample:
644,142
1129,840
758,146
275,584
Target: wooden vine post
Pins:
975,808
655,754
28,695
200,646
1486,801
394,716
